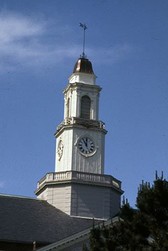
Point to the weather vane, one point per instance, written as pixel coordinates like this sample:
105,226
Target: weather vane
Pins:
84,27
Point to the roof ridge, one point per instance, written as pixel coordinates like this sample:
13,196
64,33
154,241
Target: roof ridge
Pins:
17,196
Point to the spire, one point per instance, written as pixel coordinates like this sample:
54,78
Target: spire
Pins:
83,70
84,27
83,64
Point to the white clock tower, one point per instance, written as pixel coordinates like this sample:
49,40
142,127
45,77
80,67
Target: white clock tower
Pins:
80,137
79,186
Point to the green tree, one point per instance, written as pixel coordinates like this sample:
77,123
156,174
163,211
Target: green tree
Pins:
152,201
140,229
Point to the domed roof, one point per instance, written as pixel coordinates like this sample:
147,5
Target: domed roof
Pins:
83,65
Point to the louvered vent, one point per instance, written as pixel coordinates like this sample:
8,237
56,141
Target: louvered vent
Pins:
85,107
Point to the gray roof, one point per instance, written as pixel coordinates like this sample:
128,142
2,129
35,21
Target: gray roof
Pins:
77,240
26,220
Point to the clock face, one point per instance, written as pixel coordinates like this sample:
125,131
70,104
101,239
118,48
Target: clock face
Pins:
86,146
60,149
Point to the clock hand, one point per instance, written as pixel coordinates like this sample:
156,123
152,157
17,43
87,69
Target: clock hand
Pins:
85,142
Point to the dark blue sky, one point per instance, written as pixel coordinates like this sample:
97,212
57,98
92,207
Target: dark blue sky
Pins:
127,42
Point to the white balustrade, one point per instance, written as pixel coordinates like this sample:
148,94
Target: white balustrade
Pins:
74,175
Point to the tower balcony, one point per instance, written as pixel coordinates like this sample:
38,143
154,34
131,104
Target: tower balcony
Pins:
88,123
82,177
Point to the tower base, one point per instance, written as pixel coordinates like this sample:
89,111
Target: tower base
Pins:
81,194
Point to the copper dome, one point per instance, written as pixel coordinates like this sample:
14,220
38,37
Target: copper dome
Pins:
83,65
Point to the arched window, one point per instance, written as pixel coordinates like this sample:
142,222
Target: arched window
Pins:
85,107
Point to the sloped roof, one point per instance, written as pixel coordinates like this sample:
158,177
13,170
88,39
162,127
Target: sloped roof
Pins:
26,220
77,239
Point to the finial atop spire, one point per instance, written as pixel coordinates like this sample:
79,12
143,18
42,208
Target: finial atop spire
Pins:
84,28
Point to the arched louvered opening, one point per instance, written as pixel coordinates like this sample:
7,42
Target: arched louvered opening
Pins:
85,107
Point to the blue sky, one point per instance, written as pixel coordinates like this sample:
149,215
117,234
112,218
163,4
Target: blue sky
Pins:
127,43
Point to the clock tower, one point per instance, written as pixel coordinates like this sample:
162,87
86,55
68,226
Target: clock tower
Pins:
80,137
79,186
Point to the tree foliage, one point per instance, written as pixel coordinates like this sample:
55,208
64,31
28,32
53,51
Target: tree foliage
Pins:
140,229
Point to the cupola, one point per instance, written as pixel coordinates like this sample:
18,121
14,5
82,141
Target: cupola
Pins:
83,72
83,65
